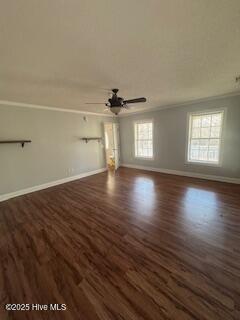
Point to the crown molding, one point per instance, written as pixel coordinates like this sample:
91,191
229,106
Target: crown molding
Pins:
121,115
36,106
169,106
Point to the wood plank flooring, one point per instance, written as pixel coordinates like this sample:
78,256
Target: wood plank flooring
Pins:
134,245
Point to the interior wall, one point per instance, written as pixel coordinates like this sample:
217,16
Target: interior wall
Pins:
170,138
56,151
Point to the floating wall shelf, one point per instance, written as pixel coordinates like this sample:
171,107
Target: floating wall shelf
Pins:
22,142
94,138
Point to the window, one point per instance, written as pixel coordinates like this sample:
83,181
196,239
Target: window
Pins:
144,139
204,141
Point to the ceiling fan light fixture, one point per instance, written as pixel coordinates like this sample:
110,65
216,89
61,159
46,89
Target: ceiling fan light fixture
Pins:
115,109
115,103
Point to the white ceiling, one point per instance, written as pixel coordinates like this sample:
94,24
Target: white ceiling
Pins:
63,53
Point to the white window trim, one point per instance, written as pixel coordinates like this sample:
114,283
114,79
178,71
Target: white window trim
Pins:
143,121
188,135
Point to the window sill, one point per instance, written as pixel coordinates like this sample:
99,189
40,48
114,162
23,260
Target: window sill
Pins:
208,164
144,158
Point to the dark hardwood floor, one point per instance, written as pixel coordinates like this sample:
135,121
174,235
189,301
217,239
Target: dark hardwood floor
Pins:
137,245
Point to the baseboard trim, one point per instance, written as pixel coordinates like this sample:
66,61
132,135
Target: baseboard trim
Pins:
184,173
49,184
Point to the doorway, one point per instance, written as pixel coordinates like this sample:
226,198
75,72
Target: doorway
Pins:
112,145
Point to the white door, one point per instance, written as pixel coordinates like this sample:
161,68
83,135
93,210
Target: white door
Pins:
116,149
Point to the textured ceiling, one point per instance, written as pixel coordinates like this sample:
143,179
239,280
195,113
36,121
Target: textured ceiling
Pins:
63,53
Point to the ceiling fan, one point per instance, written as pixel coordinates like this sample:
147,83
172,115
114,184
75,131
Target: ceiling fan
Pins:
115,103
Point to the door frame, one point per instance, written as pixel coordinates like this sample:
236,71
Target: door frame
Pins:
115,146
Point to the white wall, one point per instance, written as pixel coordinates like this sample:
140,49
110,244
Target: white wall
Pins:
170,138
56,151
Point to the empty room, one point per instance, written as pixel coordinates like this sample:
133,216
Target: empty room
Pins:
120,160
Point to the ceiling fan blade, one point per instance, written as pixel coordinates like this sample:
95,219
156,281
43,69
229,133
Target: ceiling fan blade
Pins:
135,100
94,102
